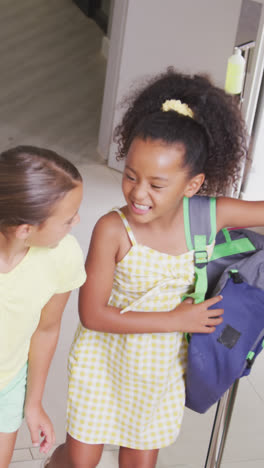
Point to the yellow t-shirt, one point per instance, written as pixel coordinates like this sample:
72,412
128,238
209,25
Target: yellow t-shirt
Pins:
25,290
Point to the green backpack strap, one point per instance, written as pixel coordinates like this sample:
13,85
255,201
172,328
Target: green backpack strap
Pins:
200,231
232,246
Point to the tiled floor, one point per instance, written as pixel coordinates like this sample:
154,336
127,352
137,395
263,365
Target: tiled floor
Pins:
51,86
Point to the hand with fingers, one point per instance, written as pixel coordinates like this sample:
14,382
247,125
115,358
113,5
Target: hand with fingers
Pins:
40,427
198,318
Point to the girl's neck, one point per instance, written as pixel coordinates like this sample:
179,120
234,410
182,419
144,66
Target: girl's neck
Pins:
165,234
12,251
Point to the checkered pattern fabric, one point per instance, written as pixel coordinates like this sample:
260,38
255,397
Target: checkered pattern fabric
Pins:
129,390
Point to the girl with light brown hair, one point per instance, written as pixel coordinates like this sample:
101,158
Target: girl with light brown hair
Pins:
40,263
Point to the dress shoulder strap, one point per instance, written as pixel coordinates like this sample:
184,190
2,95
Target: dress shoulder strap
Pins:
126,224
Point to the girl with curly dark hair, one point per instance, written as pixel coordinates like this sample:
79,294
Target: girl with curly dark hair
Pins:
179,136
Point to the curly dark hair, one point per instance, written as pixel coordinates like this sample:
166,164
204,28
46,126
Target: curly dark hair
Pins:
214,139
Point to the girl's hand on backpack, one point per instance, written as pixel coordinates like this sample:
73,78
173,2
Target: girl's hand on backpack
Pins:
197,318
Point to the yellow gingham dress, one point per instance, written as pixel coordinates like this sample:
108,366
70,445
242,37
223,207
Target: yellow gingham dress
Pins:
128,390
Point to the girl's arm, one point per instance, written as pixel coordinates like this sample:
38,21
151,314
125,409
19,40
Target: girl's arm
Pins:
42,346
94,312
232,212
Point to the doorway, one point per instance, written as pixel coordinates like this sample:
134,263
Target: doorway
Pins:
98,10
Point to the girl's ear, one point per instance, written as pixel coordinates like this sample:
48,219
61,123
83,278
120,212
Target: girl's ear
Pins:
194,185
22,231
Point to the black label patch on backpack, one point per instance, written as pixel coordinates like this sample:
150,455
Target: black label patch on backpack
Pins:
229,337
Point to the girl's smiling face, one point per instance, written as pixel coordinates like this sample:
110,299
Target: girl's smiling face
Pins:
155,179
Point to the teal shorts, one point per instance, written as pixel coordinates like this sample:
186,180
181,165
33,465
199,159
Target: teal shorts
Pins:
12,398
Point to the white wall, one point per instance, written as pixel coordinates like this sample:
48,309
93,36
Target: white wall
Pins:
253,108
149,35
253,188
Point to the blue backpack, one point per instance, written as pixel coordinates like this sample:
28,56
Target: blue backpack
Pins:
236,271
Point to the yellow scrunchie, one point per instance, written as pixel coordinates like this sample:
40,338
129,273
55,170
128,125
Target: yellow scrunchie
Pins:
177,106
